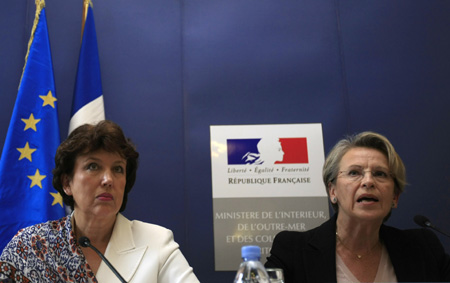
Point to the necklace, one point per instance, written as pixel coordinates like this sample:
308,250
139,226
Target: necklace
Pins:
358,256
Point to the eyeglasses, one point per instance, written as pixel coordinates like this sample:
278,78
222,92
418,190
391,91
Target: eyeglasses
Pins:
356,175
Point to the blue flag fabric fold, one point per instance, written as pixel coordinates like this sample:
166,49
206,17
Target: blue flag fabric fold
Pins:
27,196
87,104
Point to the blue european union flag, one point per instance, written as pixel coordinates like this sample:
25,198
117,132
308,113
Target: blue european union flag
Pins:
27,196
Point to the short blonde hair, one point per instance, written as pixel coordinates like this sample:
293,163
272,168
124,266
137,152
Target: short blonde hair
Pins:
368,140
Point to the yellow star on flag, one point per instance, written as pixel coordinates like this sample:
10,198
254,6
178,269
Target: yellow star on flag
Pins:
30,123
57,198
49,99
36,179
26,152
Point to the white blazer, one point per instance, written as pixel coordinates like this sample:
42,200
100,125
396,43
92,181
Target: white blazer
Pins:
143,252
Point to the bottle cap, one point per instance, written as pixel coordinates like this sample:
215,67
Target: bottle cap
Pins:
253,252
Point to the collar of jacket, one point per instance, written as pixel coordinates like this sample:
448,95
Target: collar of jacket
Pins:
121,252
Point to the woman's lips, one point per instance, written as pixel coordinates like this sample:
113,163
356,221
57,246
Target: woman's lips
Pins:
105,197
367,198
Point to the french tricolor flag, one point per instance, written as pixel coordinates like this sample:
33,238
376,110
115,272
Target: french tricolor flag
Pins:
267,151
87,104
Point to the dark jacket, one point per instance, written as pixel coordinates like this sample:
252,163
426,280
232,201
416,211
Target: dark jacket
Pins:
417,254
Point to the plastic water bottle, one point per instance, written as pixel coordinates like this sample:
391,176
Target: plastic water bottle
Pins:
251,269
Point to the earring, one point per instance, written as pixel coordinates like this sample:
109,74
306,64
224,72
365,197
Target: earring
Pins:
334,200
393,204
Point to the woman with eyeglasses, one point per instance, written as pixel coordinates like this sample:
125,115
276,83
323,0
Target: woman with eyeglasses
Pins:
364,177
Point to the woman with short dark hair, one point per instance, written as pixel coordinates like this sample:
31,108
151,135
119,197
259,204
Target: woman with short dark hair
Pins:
94,172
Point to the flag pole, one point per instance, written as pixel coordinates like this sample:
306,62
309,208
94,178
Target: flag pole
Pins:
86,4
40,4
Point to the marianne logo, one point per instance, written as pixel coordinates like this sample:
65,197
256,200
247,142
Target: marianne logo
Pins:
267,151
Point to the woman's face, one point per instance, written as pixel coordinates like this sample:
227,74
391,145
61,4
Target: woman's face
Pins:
98,183
364,188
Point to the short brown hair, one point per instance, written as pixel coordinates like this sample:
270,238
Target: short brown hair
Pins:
105,135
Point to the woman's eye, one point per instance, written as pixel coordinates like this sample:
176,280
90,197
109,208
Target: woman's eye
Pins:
92,166
119,169
380,174
354,173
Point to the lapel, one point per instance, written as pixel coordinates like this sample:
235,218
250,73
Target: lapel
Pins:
403,253
121,252
320,253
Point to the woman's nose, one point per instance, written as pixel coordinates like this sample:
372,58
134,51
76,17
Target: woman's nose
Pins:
367,180
107,179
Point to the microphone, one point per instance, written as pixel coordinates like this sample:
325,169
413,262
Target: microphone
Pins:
86,243
424,222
